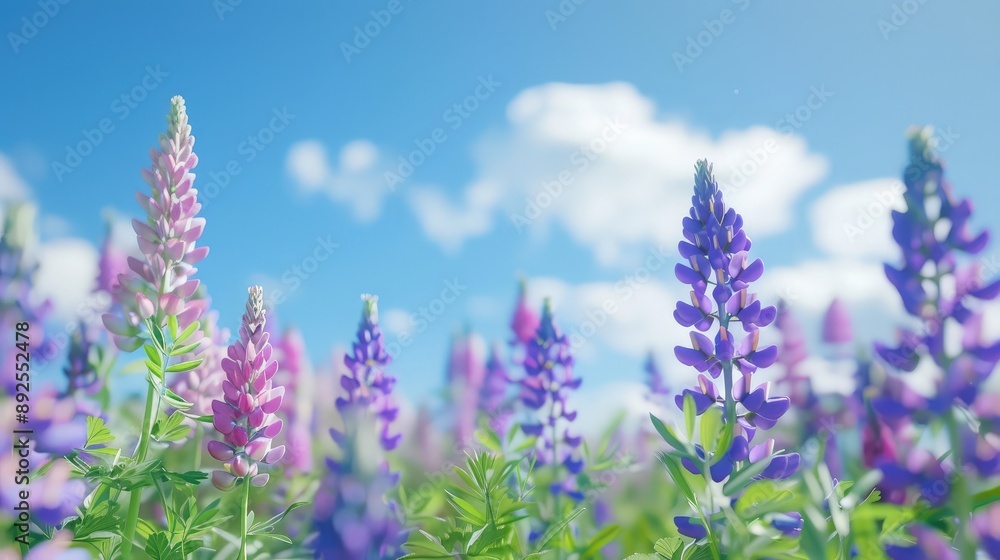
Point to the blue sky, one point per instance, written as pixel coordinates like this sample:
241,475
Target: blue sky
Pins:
555,82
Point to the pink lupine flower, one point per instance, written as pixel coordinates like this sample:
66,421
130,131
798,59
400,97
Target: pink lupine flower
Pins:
245,416
466,372
201,385
166,239
525,321
837,324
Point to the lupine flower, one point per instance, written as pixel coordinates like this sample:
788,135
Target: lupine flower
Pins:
656,386
465,375
717,250
837,324
79,370
938,290
548,367
298,409
112,263
161,284
353,518
524,321
793,353
929,546
367,385
493,395
719,271
987,527
16,279
245,415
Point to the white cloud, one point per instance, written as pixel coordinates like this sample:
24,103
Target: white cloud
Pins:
355,182
599,162
12,186
67,271
812,285
628,315
448,223
855,220
396,321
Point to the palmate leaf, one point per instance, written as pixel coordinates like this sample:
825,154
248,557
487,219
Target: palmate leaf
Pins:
97,432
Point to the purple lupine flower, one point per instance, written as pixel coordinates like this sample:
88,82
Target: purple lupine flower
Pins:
945,296
245,415
112,263
353,518
465,375
161,284
719,271
524,321
80,372
298,409
367,386
16,280
987,527
656,386
493,395
548,367
793,352
837,324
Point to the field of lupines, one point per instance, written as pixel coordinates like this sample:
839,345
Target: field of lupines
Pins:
240,455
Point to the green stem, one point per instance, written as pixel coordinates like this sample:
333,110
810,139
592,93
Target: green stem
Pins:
135,497
243,518
960,496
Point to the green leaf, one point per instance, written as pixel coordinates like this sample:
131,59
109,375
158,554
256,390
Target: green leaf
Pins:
185,366
172,326
711,427
599,541
668,547
157,336
185,349
673,466
668,435
188,331
154,356
172,428
557,529
97,432
489,439
742,477
690,415
268,526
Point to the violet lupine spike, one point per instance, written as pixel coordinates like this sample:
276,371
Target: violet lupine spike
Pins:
793,352
656,385
162,283
366,384
719,271
245,416
837,324
524,321
80,373
353,519
466,372
111,263
493,396
548,367
294,374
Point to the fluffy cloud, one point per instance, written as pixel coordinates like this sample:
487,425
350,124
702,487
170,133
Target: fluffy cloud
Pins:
67,271
598,161
354,181
856,220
